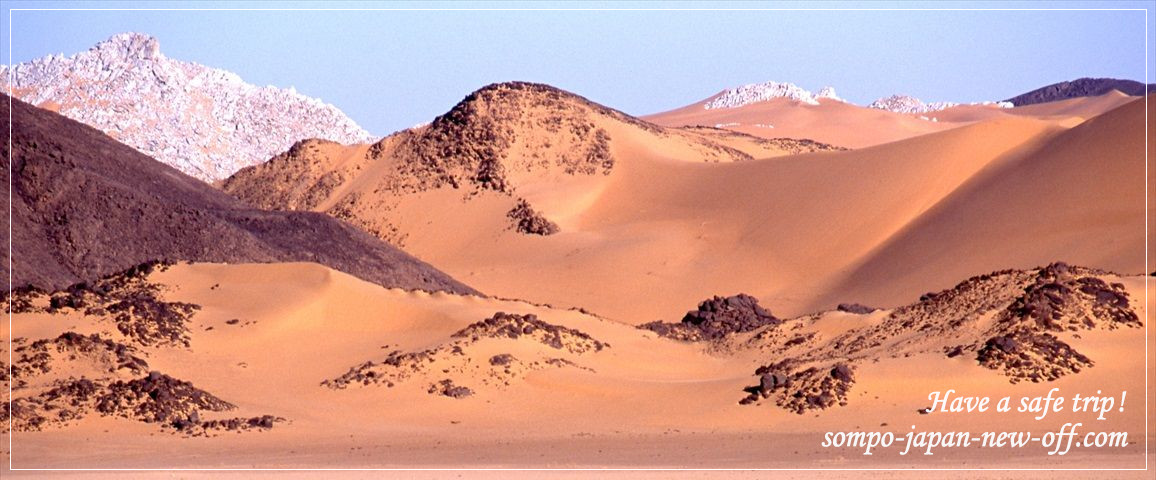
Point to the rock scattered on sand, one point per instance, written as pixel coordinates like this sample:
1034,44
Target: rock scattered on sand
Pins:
133,303
512,325
42,356
153,398
452,357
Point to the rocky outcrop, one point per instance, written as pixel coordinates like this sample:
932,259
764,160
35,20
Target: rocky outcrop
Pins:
716,318
203,121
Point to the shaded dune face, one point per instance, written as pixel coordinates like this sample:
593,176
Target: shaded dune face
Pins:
85,205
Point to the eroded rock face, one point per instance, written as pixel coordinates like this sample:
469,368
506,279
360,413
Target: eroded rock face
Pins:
203,121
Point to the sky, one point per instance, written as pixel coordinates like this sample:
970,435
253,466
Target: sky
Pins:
392,69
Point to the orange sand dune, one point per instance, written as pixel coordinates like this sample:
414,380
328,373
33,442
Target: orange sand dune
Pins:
1077,197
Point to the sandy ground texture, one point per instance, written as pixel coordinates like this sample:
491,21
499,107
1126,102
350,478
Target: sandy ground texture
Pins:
353,375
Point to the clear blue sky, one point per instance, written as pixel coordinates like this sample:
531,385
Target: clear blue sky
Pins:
392,69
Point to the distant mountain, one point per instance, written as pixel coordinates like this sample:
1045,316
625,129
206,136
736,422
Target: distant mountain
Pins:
1083,87
761,92
203,121
84,205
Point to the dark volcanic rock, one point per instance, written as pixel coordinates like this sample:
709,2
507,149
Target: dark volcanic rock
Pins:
529,221
84,205
855,308
799,390
446,388
716,318
1083,87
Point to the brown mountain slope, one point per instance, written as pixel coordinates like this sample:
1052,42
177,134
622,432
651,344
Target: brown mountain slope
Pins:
84,205
659,232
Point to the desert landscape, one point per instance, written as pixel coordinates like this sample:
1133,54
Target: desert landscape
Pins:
537,281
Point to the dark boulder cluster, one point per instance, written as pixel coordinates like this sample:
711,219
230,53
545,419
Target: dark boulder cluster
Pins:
716,318
134,304
799,390
1061,298
157,398
446,388
526,220
153,398
1034,357
194,426
855,308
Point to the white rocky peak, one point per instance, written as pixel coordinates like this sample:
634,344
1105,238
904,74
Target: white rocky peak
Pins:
203,121
829,92
908,104
761,92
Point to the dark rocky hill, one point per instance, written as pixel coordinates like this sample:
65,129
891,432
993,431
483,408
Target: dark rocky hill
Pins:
1083,87
84,205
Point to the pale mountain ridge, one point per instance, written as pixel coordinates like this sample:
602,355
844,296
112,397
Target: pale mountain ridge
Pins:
204,121
751,93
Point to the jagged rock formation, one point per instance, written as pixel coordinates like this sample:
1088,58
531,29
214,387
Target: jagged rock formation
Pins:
84,206
1082,87
203,121
761,92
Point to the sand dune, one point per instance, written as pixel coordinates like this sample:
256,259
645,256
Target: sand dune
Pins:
1076,197
299,325
652,232
831,121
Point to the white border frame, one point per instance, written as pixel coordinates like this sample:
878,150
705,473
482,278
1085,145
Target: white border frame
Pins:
1148,315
